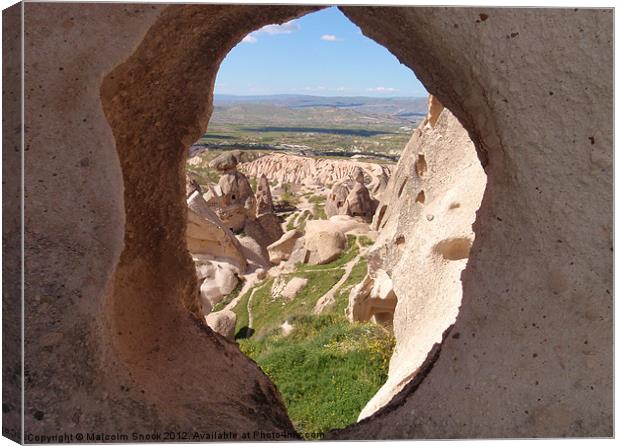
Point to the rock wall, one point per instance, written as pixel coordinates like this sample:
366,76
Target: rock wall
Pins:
530,353
109,346
424,240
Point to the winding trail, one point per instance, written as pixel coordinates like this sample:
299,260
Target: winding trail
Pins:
329,298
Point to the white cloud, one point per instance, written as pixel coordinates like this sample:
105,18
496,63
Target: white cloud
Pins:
285,28
329,38
249,39
382,89
318,88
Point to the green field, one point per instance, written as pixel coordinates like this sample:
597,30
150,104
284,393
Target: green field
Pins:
327,368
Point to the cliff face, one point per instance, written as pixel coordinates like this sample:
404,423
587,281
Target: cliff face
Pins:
425,235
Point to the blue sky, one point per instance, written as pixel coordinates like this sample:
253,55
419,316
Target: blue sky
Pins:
322,54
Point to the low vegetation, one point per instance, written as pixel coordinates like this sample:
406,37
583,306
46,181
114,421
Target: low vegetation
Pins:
365,240
288,196
318,209
228,299
349,254
358,272
203,175
326,368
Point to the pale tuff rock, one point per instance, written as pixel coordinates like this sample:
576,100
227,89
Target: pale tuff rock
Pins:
255,254
234,202
324,246
342,223
219,281
233,199
434,111
269,222
222,322
378,185
359,203
288,289
373,299
207,235
422,246
271,227
264,201
542,253
281,249
336,199
286,168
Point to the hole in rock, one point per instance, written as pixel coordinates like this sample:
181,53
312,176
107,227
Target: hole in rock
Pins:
455,248
420,198
420,165
296,168
320,157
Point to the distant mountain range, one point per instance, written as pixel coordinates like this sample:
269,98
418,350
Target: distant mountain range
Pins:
401,108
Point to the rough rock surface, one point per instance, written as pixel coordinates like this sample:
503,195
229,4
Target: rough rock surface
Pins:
423,245
219,280
110,252
530,353
222,322
373,299
191,185
341,223
264,201
336,199
256,255
286,168
281,249
359,202
271,227
235,202
324,246
207,235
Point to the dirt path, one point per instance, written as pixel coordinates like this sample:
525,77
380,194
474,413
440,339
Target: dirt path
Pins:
250,281
329,298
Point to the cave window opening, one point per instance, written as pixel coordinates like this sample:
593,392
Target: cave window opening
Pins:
284,136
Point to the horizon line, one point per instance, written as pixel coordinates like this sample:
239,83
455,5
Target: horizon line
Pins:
318,95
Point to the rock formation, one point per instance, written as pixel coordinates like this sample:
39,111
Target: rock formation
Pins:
235,202
286,168
324,246
373,299
334,204
218,280
359,203
222,322
288,289
264,201
206,234
282,248
440,170
191,185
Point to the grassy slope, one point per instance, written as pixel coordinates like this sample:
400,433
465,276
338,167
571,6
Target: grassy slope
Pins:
327,368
